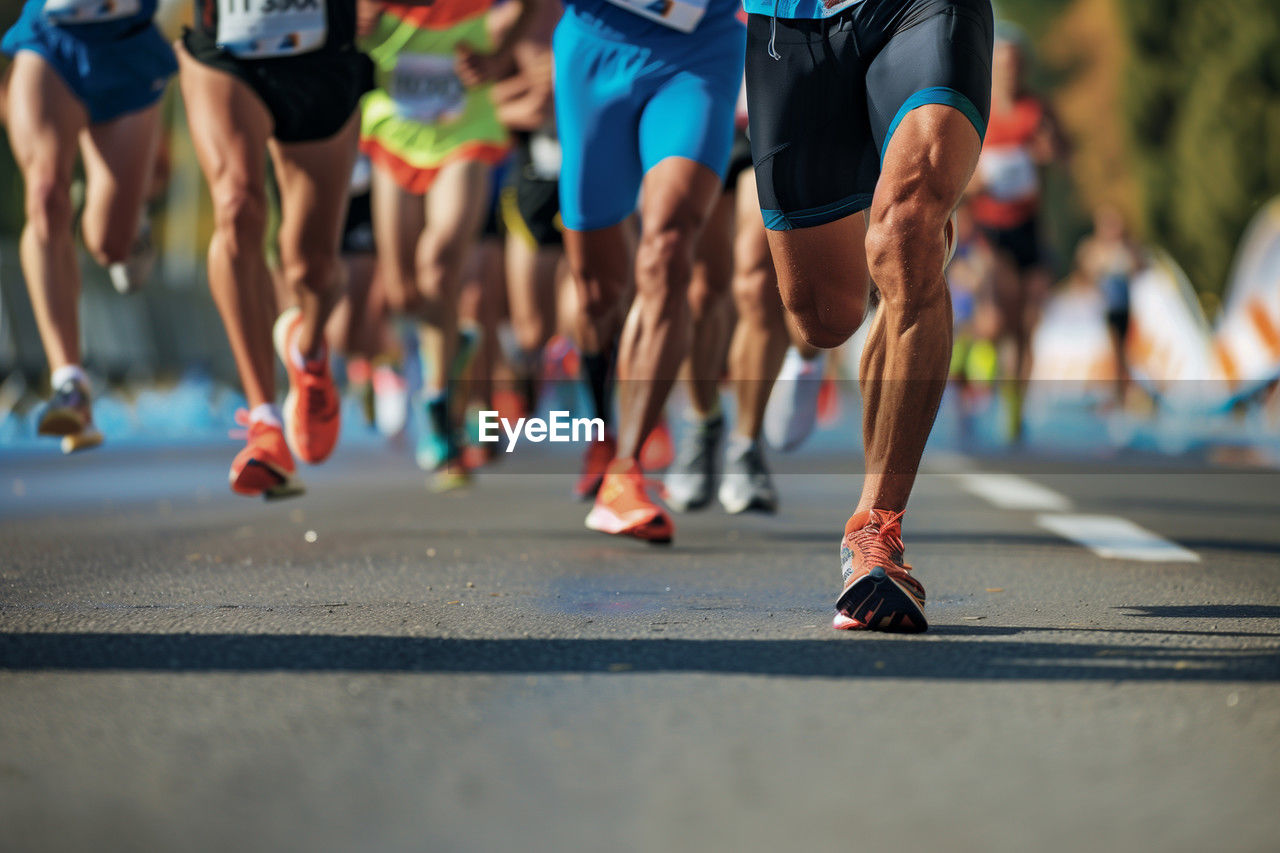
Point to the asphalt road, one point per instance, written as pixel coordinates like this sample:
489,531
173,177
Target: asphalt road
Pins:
371,667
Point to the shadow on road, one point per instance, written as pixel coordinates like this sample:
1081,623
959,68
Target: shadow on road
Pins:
1205,611
952,653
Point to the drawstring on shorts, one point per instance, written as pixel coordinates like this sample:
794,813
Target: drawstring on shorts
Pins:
773,33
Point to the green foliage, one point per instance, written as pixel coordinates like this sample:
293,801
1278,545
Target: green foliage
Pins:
1034,16
1202,107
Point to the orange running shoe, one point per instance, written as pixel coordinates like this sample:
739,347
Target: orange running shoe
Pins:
312,411
265,467
594,462
624,508
879,592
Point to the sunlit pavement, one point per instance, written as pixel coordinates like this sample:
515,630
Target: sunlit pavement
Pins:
371,667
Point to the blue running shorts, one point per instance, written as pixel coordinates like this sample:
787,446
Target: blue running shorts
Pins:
114,67
625,102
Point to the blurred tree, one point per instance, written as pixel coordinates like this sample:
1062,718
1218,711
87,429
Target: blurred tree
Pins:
1202,108
1086,48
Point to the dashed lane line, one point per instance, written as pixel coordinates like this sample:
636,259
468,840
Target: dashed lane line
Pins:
1108,536
1009,491
1117,538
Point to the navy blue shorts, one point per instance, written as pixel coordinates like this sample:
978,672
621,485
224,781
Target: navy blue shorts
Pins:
823,112
113,68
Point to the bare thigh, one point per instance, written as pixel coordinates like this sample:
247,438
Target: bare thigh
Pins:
119,160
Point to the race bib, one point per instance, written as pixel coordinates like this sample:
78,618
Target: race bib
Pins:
1009,174
89,11
260,29
682,15
425,88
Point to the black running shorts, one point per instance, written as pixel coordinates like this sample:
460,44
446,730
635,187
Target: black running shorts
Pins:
1021,243
310,96
531,199
357,231
822,114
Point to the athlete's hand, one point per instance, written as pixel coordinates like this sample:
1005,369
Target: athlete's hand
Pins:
476,69
367,14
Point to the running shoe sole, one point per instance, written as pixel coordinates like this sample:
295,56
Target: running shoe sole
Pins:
737,506
447,480
655,531
676,503
262,478
64,422
86,439
877,602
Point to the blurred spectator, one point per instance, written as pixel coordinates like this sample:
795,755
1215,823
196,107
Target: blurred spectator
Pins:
1109,259
1022,137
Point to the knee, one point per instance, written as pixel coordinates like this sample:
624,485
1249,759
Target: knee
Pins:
822,332
48,205
905,244
755,296
440,261
664,264
704,296
824,324
239,217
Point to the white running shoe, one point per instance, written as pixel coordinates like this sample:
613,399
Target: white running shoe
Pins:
746,484
131,274
792,412
390,401
691,480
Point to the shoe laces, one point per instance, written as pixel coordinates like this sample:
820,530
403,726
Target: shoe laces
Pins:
633,486
696,443
318,390
247,427
880,540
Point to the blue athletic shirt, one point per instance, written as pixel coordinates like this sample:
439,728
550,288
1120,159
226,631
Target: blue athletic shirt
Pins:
796,8
616,23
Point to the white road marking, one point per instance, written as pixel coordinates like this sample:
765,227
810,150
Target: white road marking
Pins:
1117,538
1009,491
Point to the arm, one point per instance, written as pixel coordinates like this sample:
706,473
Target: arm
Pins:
475,69
524,100
1049,145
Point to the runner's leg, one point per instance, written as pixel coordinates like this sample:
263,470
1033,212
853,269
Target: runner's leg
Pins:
119,162
601,263
709,290
398,220
904,367
229,128
312,207
676,200
760,337
45,119
455,209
